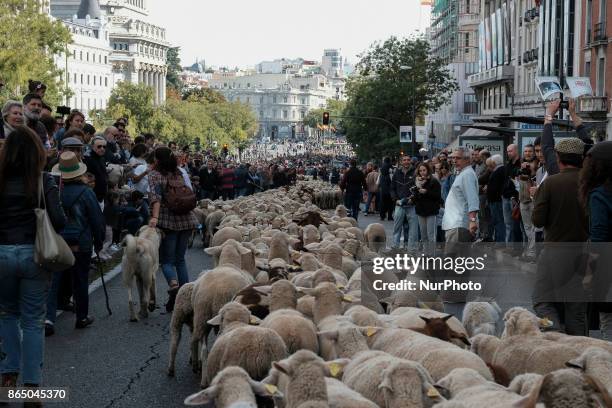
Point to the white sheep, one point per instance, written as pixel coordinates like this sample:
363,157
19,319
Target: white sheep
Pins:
375,237
481,317
181,315
341,396
250,347
597,363
469,387
232,388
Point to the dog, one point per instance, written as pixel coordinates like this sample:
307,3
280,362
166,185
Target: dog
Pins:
139,265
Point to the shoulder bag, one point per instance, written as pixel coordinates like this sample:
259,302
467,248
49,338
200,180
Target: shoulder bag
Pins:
50,250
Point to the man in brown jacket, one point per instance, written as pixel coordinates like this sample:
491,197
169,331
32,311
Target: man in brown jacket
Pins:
371,179
559,291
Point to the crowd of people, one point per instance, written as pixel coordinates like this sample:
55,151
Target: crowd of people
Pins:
98,186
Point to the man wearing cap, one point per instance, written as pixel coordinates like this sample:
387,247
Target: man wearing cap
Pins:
561,268
83,233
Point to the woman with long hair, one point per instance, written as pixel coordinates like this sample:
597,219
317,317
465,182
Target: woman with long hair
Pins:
76,120
427,205
24,285
176,227
596,196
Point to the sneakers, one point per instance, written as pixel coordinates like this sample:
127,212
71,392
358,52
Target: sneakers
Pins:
83,323
49,328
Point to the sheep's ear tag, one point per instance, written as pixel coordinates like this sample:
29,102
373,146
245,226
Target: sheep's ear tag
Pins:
370,331
546,322
433,393
271,388
339,286
347,298
335,369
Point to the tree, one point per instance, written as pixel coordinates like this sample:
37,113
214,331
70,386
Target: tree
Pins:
28,41
392,74
132,101
173,78
204,95
334,107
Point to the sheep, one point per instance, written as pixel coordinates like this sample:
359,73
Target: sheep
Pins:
341,211
523,384
417,319
363,316
469,387
375,237
236,258
252,348
578,342
305,305
417,298
279,246
566,388
301,378
311,234
485,346
481,317
296,331
597,363
225,234
438,327
341,396
309,262
181,315
437,356
520,321
232,387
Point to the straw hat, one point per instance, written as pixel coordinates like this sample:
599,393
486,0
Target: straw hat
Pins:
69,166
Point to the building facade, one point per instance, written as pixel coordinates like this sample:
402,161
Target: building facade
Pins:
453,37
332,64
280,102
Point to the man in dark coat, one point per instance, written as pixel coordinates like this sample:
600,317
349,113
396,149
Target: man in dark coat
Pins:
353,183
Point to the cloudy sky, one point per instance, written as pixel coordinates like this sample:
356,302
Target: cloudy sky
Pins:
245,32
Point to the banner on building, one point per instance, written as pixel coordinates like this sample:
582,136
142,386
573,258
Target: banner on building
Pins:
500,37
579,86
481,47
505,8
494,144
493,40
511,30
488,43
549,87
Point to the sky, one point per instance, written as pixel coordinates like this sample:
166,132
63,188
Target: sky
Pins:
245,32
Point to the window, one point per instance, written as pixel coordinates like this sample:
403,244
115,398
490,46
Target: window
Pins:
285,99
105,81
470,104
274,113
292,114
303,101
81,79
601,72
248,99
274,101
94,80
285,115
302,114
587,68
261,114
106,59
261,98
75,78
81,55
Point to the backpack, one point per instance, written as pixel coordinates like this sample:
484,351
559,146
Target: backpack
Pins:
74,229
179,198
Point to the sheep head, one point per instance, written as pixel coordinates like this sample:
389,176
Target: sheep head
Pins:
233,314
519,320
458,380
439,328
350,340
407,383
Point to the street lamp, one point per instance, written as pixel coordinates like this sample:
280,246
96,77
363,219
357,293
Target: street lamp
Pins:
414,143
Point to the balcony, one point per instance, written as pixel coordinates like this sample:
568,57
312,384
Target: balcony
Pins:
591,105
468,19
599,33
497,74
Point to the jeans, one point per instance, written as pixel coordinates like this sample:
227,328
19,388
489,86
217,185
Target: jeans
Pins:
526,210
508,221
172,255
369,202
406,220
79,273
241,192
497,219
23,294
352,202
427,226
605,324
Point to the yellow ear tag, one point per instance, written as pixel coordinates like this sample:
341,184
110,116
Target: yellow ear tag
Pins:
339,286
546,322
371,331
271,388
335,369
254,320
347,298
433,393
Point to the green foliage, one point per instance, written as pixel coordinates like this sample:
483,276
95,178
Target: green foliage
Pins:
28,41
386,89
204,95
132,101
173,79
334,107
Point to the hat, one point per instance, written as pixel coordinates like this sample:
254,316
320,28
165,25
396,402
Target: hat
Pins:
572,145
601,151
69,166
72,142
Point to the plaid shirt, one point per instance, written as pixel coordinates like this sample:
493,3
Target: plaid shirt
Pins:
167,219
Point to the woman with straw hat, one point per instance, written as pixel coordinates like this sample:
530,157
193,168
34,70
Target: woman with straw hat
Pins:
84,232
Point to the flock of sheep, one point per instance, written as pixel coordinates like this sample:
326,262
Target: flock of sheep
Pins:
293,327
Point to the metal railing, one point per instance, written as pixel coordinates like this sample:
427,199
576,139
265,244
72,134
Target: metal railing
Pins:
599,32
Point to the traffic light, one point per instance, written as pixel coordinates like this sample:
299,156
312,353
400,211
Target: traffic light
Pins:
326,118
225,149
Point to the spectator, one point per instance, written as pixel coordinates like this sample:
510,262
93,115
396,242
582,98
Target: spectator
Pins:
149,140
240,181
12,115
334,177
112,154
140,174
23,293
279,177
209,180
352,185
384,187
253,181
96,165
37,87
596,197
510,194
526,181
32,107
75,120
227,182
494,190
176,228
427,205
84,232
558,210
372,183
404,217
485,226
89,131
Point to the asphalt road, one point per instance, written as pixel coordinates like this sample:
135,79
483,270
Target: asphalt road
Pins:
115,363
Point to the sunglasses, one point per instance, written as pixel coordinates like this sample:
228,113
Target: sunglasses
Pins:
101,147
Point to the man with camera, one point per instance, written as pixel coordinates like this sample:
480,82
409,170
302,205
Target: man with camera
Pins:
403,190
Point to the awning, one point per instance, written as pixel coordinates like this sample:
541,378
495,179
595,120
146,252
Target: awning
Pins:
477,129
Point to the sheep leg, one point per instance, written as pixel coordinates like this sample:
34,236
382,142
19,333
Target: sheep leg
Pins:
131,305
143,297
176,326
